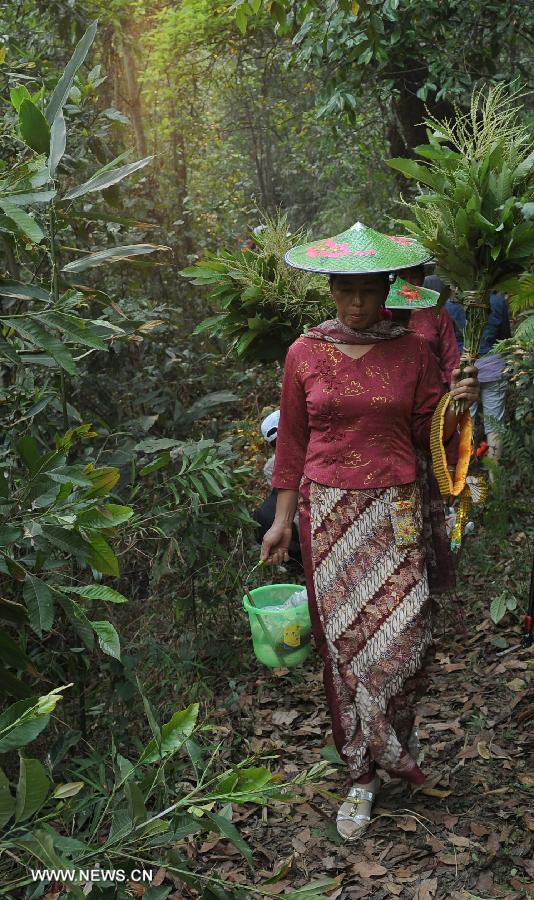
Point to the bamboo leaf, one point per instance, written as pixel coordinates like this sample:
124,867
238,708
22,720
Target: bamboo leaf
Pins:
63,87
112,254
58,142
101,182
34,129
229,831
32,789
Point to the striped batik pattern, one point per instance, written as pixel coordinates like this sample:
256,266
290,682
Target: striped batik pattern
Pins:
373,602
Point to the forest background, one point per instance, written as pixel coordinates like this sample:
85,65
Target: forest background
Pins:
130,456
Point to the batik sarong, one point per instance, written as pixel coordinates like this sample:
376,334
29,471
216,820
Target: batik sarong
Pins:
364,557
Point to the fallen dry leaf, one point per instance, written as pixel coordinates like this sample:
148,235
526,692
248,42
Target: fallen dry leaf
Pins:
516,684
284,716
395,889
483,750
426,889
368,869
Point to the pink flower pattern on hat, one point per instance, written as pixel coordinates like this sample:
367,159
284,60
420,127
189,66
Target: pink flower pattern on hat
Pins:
329,248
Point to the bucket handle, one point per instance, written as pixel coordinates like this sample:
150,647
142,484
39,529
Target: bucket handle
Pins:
260,619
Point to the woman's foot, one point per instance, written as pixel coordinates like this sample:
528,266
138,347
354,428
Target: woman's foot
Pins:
354,814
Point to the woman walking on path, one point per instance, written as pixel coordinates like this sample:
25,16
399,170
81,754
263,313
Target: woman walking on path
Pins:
358,394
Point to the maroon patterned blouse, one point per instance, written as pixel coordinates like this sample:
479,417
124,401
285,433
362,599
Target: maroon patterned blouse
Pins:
352,423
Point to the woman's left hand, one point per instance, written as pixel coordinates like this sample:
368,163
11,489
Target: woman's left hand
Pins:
468,388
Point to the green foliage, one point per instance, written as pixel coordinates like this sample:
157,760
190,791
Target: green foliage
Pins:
479,171
472,220
121,809
264,304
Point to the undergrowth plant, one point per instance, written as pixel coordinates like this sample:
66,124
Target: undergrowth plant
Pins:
264,304
474,210
75,798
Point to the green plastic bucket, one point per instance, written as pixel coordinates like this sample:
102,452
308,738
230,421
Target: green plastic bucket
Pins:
279,637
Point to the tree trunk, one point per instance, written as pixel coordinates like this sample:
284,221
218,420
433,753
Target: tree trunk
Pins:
129,66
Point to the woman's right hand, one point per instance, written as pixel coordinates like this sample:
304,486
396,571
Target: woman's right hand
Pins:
276,544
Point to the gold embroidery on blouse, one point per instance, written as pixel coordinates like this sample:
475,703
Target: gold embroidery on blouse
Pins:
378,372
380,401
353,460
355,388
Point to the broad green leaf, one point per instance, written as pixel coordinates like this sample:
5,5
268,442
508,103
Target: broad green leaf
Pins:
18,94
39,603
94,592
104,480
107,516
32,789
229,831
420,173
112,254
101,557
101,182
34,129
108,638
24,222
498,608
34,332
173,735
7,801
58,142
62,89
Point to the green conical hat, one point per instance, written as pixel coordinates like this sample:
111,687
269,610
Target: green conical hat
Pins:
403,295
357,251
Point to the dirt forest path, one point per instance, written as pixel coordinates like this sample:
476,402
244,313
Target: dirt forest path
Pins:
468,838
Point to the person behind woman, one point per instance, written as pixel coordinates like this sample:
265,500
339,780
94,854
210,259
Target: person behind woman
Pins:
358,394
433,324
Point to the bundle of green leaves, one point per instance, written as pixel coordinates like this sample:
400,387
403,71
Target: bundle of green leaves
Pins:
475,209
263,304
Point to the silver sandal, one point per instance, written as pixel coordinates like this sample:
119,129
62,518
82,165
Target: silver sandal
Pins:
351,810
